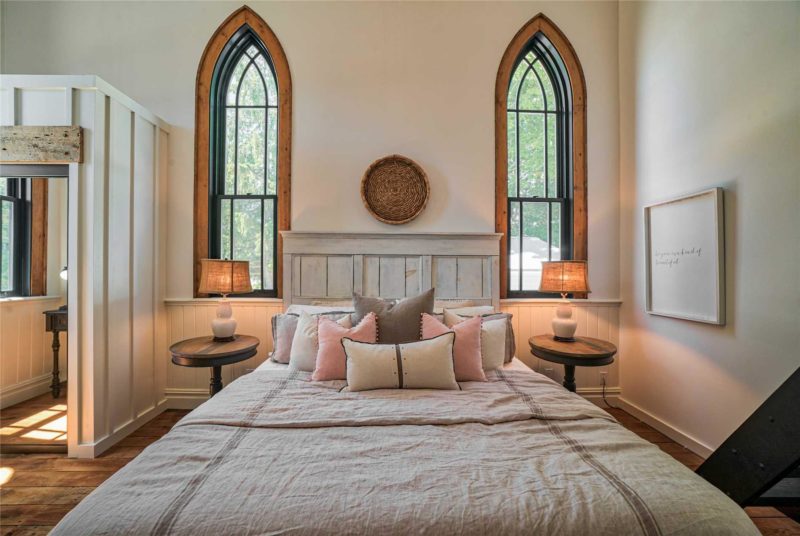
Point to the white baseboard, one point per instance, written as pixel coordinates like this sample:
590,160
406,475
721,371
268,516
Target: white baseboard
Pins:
25,390
595,394
92,450
185,398
696,446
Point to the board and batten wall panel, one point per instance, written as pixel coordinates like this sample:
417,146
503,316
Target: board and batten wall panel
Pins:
117,232
26,357
188,387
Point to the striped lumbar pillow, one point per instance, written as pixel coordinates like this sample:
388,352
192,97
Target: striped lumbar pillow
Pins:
417,365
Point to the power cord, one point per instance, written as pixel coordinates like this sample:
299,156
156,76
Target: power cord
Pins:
604,393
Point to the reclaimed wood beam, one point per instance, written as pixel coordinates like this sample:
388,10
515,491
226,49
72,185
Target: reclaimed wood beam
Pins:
42,145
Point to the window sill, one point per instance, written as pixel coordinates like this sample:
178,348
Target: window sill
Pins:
574,301
14,299
214,301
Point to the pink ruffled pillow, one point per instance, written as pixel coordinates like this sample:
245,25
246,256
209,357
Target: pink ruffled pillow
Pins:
331,357
467,360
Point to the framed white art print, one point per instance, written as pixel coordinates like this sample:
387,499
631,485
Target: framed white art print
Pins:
685,257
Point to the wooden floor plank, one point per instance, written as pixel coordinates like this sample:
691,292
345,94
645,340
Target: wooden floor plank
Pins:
44,495
33,514
41,530
777,526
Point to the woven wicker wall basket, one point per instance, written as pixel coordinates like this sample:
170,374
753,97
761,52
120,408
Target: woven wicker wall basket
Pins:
395,189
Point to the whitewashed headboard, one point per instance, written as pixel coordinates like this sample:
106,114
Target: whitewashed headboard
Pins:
331,266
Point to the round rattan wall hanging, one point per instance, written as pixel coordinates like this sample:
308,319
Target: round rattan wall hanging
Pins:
395,189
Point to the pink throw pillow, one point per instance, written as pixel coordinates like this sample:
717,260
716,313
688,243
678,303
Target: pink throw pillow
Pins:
331,357
467,360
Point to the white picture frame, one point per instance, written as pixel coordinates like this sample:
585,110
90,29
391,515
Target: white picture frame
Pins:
685,257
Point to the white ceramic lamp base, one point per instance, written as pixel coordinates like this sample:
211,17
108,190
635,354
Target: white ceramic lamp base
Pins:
564,325
224,326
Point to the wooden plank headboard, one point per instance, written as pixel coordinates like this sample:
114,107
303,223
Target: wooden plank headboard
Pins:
321,267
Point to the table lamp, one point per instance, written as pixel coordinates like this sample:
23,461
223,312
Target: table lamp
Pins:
564,277
224,277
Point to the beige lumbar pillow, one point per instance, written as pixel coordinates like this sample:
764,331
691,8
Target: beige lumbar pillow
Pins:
418,365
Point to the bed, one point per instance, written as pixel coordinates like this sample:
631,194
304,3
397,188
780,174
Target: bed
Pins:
275,453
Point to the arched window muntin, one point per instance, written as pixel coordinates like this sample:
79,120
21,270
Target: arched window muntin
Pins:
243,54
540,64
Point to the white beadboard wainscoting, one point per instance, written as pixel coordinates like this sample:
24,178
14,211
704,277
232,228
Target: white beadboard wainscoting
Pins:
188,387
27,357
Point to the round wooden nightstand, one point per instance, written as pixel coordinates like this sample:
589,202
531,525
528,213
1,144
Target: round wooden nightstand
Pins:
206,352
583,352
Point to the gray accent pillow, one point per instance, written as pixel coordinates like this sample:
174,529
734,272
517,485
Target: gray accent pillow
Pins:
398,322
283,328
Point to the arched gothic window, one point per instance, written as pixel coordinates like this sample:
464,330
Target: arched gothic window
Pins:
244,101
540,179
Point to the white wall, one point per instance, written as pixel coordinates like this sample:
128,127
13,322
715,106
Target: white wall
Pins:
709,95
370,79
116,254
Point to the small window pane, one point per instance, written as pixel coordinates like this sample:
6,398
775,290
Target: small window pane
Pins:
272,151
514,86
534,243
252,51
555,231
552,157
266,72
548,85
512,154
514,247
531,157
252,91
233,81
250,164
269,244
247,236
225,229
530,98
230,150
6,245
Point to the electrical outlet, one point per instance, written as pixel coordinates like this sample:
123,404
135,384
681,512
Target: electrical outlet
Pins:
603,376
548,371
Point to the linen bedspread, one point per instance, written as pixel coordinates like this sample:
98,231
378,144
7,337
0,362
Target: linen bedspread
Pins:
274,453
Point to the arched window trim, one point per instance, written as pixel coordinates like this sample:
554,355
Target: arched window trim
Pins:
577,137
243,18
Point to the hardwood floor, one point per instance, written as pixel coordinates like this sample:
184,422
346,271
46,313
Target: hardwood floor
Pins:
40,421
37,490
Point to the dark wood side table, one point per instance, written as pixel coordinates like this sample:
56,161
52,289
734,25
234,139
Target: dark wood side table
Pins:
583,352
55,321
206,352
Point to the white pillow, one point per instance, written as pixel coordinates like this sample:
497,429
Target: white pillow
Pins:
493,343
425,364
305,343
452,316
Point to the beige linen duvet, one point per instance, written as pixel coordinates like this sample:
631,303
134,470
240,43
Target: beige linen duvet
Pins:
274,453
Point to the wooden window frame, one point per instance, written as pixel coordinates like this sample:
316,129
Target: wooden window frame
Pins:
205,72
541,24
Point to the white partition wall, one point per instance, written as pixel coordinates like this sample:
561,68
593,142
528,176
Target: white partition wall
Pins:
116,235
